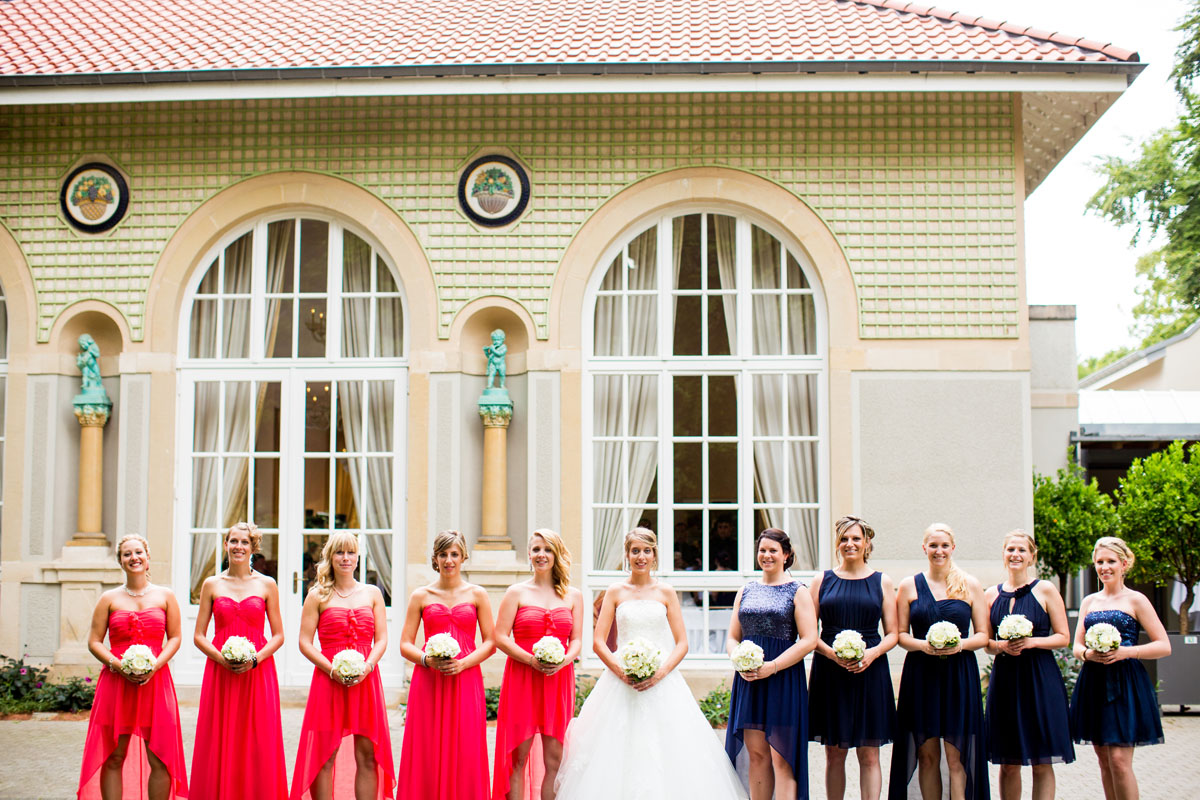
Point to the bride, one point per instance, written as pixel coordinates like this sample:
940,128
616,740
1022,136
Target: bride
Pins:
646,739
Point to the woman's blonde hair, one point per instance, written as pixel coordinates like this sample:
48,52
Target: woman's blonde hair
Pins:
561,571
126,538
443,542
1115,544
251,530
843,525
956,579
1020,533
645,536
337,540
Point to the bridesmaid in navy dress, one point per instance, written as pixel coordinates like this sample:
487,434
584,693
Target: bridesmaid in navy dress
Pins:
769,712
850,703
1026,719
939,699
1114,707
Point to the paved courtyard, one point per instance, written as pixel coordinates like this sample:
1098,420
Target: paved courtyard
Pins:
40,759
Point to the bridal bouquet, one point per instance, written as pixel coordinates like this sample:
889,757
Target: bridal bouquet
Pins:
1102,637
1015,626
639,659
746,656
549,650
442,645
943,635
849,645
349,664
138,660
238,650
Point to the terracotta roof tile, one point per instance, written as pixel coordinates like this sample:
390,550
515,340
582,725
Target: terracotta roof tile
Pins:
132,36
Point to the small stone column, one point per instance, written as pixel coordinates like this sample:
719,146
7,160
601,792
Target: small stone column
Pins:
496,410
92,409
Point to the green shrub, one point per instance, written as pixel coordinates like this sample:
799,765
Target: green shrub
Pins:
583,687
715,706
491,701
25,688
75,694
20,681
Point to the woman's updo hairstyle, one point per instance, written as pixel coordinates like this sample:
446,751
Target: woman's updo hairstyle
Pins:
126,538
645,536
443,542
784,542
845,524
1113,543
1019,533
252,530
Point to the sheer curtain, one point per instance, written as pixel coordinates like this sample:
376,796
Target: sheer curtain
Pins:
641,273
372,490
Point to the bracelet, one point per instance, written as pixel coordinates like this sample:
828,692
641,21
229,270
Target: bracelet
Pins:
254,658
423,657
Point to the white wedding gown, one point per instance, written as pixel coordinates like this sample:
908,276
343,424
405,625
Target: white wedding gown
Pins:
651,745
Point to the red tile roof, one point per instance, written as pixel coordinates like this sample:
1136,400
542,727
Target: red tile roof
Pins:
64,37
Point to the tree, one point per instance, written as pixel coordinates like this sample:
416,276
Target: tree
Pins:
1069,515
1160,518
1158,195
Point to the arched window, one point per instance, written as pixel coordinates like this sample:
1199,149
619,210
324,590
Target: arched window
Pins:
706,373
292,399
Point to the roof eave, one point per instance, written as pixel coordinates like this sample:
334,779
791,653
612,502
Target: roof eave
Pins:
1131,69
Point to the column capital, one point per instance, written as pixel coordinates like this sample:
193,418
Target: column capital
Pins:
92,415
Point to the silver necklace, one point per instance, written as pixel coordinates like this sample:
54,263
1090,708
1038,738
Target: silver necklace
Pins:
132,593
335,591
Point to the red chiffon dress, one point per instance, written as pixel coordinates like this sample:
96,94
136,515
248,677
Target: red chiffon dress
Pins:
336,713
239,739
444,756
149,713
531,701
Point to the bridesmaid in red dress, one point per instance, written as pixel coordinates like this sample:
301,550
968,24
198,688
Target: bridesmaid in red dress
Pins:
239,738
134,748
345,748
444,756
536,698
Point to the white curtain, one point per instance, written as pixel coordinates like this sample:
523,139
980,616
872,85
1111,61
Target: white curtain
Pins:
372,490
642,457
725,229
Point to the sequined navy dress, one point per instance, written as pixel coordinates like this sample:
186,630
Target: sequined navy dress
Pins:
939,698
777,705
847,709
1115,704
1027,701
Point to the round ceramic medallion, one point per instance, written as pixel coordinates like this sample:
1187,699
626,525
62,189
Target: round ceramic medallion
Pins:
94,197
493,191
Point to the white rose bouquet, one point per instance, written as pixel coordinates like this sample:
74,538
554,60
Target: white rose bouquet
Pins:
1015,626
746,656
349,664
442,645
1102,637
943,635
137,660
639,659
849,645
238,650
549,650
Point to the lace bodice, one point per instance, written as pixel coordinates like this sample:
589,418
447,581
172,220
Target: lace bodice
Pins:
644,619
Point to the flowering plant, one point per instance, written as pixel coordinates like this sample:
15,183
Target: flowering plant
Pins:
943,635
137,660
639,659
746,656
1102,637
849,645
493,181
441,645
549,650
349,664
1015,626
238,650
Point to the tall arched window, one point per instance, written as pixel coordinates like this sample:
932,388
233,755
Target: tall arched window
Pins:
292,399
706,373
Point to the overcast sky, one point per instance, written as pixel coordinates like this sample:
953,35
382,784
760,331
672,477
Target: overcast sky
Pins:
1072,258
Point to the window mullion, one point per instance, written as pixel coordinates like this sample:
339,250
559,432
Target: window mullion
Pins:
333,284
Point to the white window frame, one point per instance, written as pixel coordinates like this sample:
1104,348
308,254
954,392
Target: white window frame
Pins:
745,364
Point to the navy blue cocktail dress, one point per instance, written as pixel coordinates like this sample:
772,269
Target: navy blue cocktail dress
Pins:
1115,704
777,705
846,709
1026,719
940,698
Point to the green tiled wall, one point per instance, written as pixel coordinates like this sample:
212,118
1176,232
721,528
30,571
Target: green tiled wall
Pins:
919,188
